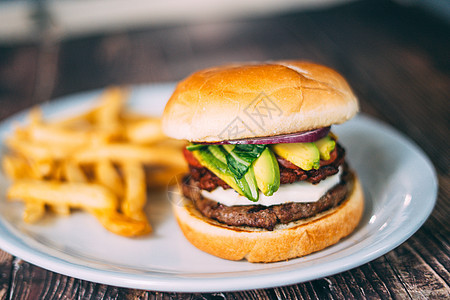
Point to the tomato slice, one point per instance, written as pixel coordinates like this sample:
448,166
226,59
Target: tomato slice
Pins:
192,161
333,156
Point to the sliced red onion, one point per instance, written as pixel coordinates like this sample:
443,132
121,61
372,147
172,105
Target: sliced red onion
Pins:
298,137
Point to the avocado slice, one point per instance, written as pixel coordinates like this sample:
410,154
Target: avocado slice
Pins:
215,165
218,153
267,172
214,159
325,145
304,155
249,185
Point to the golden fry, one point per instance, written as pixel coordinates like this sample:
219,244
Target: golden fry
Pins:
172,143
41,169
122,153
62,137
163,178
107,116
145,131
19,131
73,172
135,190
80,121
122,225
35,116
37,151
33,212
61,209
52,162
112,102
128,117
106,175
57,172
77,195
15,167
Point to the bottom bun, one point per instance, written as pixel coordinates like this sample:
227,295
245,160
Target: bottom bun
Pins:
292,240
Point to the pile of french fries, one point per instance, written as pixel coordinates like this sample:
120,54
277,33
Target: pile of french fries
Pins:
102,161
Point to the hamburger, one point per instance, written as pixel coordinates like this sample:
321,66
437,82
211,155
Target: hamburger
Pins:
268,180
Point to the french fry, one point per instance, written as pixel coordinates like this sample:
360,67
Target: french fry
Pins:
35,116
145,131
172,143
129,117
135,191
121,153
40,169
83,120
37,151
18,167
60,209
157,179
111,104
73,172
77,195
68,138
57,172
71,163
107,116
15,167
33,212
122,225
106,175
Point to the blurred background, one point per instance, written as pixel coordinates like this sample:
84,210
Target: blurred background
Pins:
52,48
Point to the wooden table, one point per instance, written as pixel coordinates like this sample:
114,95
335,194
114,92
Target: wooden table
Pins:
395,58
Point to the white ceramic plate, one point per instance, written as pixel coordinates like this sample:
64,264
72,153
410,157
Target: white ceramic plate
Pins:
400,188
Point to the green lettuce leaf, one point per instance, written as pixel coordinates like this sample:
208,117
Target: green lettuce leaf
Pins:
241,157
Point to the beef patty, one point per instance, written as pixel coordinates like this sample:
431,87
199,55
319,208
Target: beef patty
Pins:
267,217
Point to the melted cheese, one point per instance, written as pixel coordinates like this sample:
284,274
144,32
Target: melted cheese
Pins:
300,191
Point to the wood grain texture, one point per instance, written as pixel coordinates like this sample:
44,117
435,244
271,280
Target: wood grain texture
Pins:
395,58
6,263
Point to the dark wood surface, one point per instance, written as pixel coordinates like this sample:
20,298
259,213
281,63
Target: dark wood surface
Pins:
397,59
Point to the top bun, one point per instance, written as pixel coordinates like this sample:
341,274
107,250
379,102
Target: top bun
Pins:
257,99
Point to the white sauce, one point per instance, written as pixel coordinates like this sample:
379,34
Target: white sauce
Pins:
300,191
